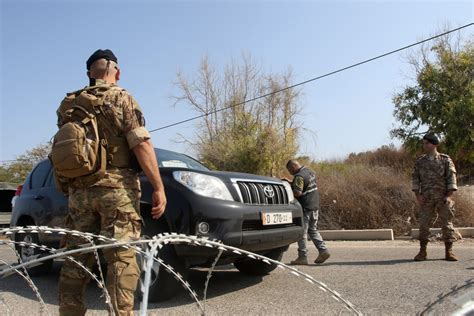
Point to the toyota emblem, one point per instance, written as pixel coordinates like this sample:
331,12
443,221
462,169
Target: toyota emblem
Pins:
268,190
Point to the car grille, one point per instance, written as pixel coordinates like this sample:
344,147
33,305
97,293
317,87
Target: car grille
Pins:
260,193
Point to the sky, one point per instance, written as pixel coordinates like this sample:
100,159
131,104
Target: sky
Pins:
45,44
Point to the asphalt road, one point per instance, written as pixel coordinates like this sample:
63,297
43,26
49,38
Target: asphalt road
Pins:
377,277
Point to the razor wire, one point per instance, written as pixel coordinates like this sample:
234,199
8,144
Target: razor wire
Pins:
193,240
59,253
148,263
462,295
29,281
31,284
101,275
115,243
209,275
100,283
154,245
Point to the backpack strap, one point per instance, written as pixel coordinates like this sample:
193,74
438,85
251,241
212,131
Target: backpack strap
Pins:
103,157
117,152
103,142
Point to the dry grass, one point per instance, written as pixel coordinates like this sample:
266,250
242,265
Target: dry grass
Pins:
385,156
366,198
464,207
370,193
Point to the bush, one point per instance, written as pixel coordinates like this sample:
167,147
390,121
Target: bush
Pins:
464,199
365,197
386,156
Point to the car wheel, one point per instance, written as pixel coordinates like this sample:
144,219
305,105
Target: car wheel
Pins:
257,267
29,253
163,285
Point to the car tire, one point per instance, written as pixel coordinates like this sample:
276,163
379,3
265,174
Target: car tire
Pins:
26,253
163,285
257,267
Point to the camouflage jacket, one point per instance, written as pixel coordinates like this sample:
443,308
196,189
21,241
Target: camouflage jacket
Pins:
434,175
125,116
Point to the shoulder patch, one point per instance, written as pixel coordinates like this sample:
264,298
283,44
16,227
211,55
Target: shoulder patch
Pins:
298,183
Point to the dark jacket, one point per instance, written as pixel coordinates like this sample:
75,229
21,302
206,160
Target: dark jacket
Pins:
305,182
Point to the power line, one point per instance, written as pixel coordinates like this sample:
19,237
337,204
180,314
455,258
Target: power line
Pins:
313,79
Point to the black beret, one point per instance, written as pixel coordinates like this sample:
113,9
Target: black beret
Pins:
431,138
99,54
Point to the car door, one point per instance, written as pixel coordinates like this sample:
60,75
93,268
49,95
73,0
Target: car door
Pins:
33,197
55,203
47,205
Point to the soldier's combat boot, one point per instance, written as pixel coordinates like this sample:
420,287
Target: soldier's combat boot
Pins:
421,256
301,260
449,252
323,256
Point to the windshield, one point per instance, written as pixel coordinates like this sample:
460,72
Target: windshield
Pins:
171,159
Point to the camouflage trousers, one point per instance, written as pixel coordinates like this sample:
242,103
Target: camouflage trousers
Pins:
113,213
429,212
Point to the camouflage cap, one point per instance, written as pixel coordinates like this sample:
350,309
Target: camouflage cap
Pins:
431,138
99,54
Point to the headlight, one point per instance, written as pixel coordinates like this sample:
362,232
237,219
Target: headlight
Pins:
289,191
203,184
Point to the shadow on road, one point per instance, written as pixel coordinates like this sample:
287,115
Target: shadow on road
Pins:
371,263
224,280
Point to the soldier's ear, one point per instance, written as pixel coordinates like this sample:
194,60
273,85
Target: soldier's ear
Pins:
117,74
88,74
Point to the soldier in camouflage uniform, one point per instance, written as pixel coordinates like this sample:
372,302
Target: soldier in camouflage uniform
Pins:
434,182
109,204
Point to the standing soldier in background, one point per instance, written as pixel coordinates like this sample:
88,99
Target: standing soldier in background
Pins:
306,192
107,202
434,182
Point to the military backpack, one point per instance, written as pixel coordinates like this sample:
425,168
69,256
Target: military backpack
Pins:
78,148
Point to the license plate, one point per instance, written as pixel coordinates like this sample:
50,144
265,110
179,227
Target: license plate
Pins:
276,218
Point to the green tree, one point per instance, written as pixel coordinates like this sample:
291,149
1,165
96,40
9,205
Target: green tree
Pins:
441,100
17,171
257,137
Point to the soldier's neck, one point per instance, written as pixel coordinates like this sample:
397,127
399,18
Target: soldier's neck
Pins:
101,81
433,153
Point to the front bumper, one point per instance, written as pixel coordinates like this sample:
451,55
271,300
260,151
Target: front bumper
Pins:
240,225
